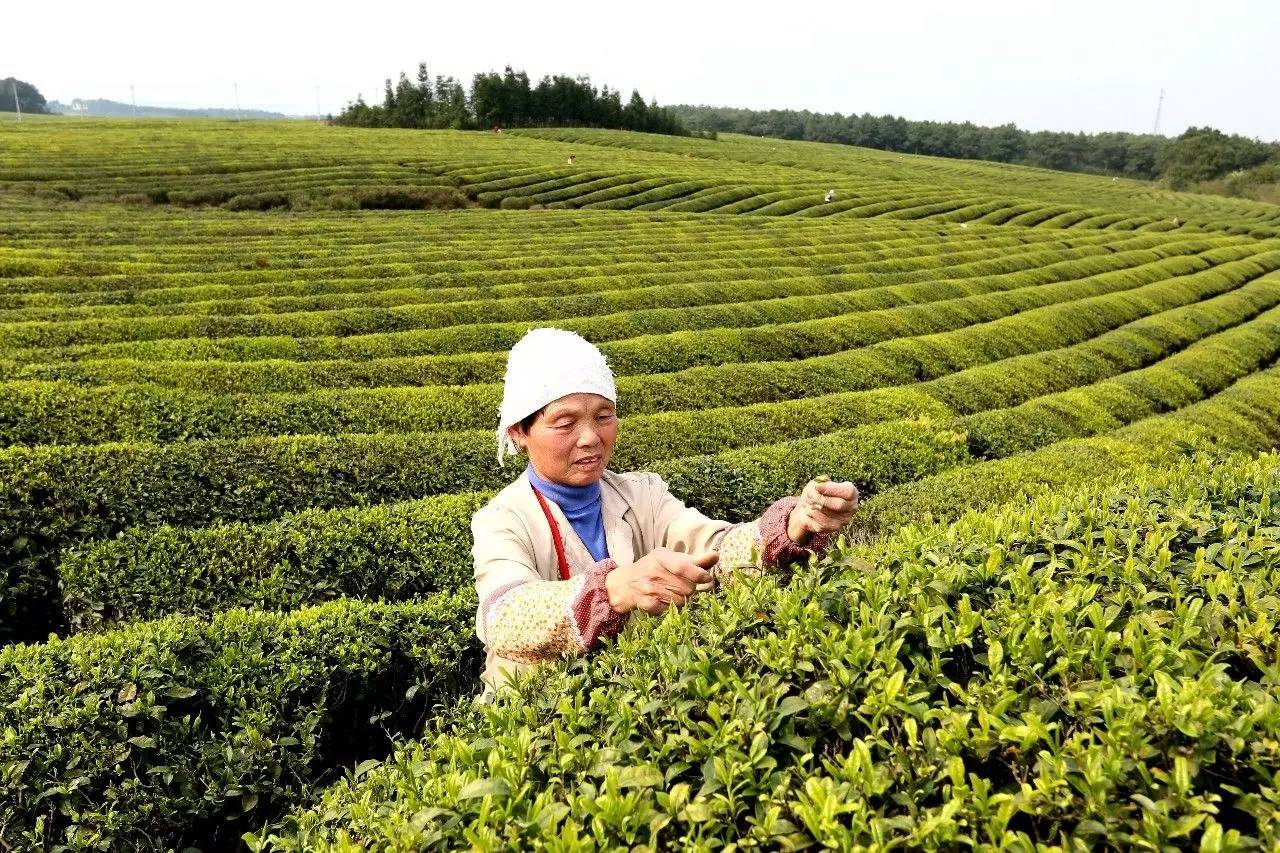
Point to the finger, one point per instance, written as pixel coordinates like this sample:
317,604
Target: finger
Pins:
810,497
837,489
821,503
659,585
825,523
668,559
692,568
653,604
706,559
660,596
676,583
669,596
691,572
837,506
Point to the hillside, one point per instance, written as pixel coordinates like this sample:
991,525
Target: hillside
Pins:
105,108
612,170
246,415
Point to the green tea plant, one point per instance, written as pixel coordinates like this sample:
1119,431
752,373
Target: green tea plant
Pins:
1092,668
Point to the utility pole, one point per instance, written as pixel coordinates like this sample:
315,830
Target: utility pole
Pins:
133,100
1155,130
319,115
17,105
236,88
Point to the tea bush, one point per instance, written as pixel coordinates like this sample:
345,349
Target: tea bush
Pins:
415,548
181,731
240,446
1095,668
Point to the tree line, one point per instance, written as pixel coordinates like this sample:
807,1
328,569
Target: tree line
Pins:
1199,154
507,100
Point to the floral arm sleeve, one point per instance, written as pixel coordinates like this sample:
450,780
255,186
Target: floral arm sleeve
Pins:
764,544
531,621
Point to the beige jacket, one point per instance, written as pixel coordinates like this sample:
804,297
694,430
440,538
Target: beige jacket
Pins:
528,615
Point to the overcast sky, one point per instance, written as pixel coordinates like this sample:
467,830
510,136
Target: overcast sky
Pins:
1083,65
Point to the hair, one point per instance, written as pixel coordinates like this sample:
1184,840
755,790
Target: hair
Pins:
528,420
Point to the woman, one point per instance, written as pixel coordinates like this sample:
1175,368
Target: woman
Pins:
569,550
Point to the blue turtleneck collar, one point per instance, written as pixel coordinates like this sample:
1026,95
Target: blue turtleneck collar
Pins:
581,505
566,497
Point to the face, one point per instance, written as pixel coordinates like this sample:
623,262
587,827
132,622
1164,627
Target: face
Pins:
571,442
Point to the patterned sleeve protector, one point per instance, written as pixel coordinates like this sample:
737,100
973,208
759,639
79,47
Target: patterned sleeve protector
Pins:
754,547
534,621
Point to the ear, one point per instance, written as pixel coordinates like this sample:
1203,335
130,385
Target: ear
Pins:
517,436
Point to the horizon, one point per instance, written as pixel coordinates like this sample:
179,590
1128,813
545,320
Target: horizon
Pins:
1094,69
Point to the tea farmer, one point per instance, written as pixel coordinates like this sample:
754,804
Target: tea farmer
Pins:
568,551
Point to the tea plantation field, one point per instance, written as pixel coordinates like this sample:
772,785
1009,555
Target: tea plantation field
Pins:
248,380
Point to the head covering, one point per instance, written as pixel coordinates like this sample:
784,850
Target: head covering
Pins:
543,366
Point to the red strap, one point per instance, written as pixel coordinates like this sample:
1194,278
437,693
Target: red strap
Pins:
555,534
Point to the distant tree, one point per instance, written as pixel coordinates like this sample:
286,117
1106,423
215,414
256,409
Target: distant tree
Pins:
1003,144
29,97
1204,153
508,100
1198,155
633,113
488,100
519,97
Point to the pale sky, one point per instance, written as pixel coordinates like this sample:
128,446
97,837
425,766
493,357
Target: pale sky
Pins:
1084,65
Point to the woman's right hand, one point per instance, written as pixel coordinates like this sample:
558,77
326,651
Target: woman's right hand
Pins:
658,580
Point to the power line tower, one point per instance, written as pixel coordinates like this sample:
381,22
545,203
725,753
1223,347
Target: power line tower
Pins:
1155,129
236,88
133,100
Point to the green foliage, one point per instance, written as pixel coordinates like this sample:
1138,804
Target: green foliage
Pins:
1245,416
1204,153
186,732
392,553
283,401
29,100
507,100
516,203
54,497
1091,669
1198,154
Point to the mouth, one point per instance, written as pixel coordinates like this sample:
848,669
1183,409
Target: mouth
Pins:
588,461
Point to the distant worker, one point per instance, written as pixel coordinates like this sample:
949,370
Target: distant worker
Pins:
830,196
1177,223
572,159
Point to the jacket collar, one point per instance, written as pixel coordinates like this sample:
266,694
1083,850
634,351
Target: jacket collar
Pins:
619,518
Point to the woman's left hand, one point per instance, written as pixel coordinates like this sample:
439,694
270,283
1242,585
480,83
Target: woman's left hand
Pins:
825,506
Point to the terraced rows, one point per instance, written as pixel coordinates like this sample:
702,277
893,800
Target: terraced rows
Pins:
239,451
225,164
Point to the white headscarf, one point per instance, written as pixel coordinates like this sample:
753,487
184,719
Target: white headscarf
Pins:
543,366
